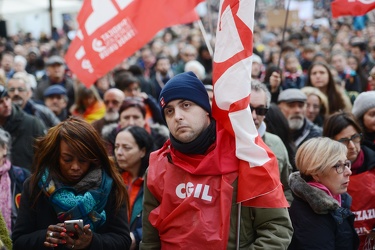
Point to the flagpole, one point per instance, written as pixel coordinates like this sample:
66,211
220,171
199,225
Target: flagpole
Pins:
284,29
238,226
205,37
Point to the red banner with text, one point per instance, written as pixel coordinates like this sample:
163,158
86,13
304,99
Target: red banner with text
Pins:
112,30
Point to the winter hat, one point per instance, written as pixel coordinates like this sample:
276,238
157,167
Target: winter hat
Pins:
185,86
363,102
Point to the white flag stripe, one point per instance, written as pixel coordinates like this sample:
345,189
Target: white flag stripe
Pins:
234,84
245,132
227,36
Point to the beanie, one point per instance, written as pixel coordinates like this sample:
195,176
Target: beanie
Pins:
363,102
185,86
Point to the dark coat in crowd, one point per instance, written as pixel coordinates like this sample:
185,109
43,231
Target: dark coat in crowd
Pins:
24,129
318,220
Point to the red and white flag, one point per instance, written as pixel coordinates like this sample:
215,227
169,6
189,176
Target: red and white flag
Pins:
112,30
258,182
351,7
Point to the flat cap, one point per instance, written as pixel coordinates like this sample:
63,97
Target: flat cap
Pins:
54,90
292,95
53,60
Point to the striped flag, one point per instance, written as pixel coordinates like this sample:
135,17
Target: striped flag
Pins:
112,30
258,182
351,7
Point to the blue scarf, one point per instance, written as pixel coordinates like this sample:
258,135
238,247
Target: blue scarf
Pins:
70,204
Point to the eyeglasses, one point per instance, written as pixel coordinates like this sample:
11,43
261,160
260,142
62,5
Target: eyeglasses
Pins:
259,111
340,167
355,138
11,90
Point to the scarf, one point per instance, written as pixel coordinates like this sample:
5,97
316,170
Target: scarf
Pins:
200,144
357,164
85,200
6,194
325,189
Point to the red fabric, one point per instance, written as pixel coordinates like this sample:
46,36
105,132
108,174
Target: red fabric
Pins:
351,7
358,162
195,201
362,189
232,77
111,31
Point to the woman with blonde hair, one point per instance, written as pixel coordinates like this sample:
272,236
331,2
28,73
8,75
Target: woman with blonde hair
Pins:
320,211
316,105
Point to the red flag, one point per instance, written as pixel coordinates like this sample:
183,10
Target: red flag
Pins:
259,182
111,30
351,7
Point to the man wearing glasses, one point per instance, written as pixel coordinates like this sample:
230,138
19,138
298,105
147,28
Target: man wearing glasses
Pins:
292,103
22,127
260,100
19,90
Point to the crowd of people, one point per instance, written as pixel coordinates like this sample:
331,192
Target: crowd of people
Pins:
137,156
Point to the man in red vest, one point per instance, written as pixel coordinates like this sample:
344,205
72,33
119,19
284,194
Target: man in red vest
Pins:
191,184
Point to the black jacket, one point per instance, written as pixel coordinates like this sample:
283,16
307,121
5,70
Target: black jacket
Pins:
318,220
32,223
42,112
24,129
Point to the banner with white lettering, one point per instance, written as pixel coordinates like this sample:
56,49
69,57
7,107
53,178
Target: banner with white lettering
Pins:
112,30
362,190
351,7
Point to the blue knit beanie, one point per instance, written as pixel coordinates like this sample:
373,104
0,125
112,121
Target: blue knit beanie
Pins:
185,86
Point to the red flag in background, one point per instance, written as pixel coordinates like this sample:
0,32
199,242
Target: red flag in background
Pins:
258,182
112,30
351,7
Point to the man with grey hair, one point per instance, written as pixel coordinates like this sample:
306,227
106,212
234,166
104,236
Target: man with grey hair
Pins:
23,128
260,100
292,103
113,99
19,90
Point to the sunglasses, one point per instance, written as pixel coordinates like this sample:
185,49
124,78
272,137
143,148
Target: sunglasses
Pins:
259,110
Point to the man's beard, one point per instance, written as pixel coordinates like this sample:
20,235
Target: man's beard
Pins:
111,116
295,122
18,101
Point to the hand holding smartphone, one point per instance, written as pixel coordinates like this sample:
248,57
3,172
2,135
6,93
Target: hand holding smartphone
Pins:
69,225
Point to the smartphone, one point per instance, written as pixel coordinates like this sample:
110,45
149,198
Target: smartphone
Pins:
69,225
